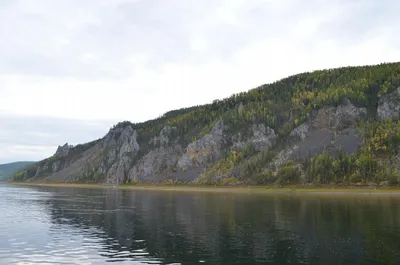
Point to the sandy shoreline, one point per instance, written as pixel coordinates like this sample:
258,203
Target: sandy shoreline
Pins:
296,190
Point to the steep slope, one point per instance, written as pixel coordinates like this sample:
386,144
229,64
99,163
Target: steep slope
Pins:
310,127
8,170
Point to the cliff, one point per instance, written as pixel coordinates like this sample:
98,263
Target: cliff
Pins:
334,125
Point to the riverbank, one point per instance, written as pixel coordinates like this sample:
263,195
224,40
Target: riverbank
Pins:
320,189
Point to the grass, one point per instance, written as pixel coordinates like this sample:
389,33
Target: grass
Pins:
321,189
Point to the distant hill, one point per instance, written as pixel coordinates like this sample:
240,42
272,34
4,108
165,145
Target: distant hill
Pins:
7,170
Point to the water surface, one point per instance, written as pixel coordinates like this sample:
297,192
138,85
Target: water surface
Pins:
50,225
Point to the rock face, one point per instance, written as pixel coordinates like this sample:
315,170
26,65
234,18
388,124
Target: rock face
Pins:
121,146
108,159
326,129
262,138
302,130
330,118
338,118
235,139
155,162
165,137
124,155
63,151
389,106
205,150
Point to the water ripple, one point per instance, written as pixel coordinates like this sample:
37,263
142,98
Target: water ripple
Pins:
30,234
40,225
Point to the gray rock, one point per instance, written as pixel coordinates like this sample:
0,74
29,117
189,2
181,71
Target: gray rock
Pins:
301,131
56,166
328,128
165,137
347,115
155,161
63,151
262,138
205,150
121,146
102,169
218,128
185,162
119,171
343,116
128,142
111,156
389,106
283,156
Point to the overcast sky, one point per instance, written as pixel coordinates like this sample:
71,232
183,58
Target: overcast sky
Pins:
70,69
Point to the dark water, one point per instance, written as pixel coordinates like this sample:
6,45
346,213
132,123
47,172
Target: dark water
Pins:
42,225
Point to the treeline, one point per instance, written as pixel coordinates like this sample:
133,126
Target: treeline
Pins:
281,106
375,161
372,163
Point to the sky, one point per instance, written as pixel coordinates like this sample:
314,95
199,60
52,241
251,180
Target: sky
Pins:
70,69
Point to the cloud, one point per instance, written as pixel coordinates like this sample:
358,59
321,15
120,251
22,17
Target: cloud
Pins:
35,138
136,59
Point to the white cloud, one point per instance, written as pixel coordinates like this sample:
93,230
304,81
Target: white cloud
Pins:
136,59
34,138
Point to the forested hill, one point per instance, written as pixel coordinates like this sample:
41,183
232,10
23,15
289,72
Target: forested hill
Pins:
335,125
7,170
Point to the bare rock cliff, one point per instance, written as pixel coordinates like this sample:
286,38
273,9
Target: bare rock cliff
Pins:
389,106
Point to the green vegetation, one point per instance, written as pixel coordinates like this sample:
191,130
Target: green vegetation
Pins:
7,170
30,170
282,106
372,163
375,162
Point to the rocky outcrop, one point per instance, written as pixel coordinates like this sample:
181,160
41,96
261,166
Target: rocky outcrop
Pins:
302,131
330,118
205,150
283,156
184,144
261,138
120,156
121,142
119,170
325,129
165,137
389,106
341,117
63,151
155,162
108,159
120,147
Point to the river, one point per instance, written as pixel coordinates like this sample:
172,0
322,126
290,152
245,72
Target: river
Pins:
65,225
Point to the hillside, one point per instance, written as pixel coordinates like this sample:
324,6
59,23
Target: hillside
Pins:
7,170
335,125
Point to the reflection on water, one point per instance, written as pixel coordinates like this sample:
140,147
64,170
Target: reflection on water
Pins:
42,225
